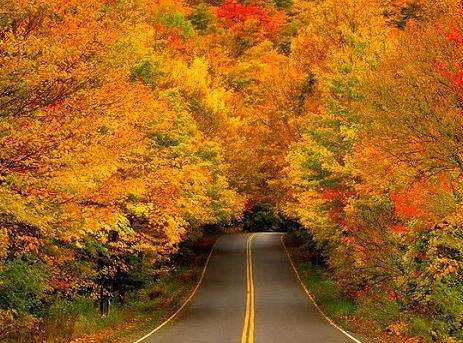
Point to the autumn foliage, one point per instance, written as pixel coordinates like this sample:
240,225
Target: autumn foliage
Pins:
126,127
235,15
376,177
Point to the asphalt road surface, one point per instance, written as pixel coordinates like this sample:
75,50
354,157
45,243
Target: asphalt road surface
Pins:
249,294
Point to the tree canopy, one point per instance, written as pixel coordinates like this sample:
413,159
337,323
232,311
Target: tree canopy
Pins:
128,126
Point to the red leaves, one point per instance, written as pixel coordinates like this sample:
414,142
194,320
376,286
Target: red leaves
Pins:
62,285
451,33
458,79
455,36
56,105
233,13
332,194
399,229
404,206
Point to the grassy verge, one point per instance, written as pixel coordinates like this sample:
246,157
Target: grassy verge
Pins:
367,321
146,309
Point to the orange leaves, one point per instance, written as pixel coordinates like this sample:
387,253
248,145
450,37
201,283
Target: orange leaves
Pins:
127,125
333,194
236,15
91,147
4,241
451,69
61,285
234,12
420,202
404,206
455,35
399,229
458,79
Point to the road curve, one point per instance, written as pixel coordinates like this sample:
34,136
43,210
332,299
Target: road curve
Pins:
280,311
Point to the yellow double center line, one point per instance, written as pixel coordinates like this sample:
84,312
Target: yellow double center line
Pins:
248,327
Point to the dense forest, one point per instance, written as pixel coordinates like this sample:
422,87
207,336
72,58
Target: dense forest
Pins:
128,126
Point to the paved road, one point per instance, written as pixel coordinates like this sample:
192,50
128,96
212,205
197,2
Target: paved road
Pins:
276,311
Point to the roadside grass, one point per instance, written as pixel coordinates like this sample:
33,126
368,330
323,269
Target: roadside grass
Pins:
378,320
79,321
326,292
146,309
364,319
149,308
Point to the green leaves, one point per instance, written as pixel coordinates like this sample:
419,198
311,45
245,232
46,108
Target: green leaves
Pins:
201,18
23,285
175,20
147,71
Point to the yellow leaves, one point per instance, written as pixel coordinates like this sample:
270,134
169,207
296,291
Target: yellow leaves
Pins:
348,132
4,239
140,210
195,78
263,52
308,214
101,144
218,99
133,45
174,230
95,147
309,51
444,267
18,207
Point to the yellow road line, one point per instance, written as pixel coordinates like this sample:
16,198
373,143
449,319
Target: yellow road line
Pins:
251,278
248,327
248,295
